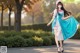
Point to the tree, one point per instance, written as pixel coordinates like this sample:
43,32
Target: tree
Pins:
10,4
3,7
48,6
19,5
68,1
34,8
6,4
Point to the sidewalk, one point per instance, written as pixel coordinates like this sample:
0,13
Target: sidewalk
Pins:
71,46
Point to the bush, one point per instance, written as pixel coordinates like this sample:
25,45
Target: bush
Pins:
29,27
29,42
10,42
47,41
37,41
2,41
26,38
78,17
52,40
26,35
77,35
18,41
9,34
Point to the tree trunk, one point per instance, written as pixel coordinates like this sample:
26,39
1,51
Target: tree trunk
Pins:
18,21
32,18
10,9
2,18
19,5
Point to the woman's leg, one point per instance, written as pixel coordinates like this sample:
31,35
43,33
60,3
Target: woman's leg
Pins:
61,44
56,39
61,40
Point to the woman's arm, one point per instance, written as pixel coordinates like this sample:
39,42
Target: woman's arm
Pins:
67,16
51,14
50,22
55,12
64,18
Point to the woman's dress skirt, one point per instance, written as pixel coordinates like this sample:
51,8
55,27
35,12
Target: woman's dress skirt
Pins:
66,28
59,34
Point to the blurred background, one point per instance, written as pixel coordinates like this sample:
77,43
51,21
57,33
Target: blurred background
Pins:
40,12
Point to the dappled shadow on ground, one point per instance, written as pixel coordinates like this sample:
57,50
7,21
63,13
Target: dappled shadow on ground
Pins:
69,47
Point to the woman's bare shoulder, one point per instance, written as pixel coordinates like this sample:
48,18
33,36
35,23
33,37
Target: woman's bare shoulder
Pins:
55,10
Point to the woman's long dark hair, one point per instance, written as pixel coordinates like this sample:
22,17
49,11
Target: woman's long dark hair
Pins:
66,13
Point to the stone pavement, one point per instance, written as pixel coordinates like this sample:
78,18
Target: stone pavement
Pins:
70,46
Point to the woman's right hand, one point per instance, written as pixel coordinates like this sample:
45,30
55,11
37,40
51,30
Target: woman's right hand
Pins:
48,24
51,14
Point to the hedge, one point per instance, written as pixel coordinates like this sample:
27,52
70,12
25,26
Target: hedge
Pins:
77,35
29,27
39,36
27,38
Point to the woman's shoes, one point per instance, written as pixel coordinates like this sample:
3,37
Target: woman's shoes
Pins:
60,50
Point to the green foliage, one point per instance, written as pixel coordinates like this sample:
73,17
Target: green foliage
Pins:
2,41
37,41
52,40
78,17
18,41
46,41
9,42
68,1
29,42
29,27
77,35
26,38
29,38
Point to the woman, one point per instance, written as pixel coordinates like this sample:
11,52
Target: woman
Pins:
64,25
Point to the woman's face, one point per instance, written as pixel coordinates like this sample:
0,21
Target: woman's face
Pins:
59,6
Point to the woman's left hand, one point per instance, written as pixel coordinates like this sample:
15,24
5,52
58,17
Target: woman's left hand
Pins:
63,18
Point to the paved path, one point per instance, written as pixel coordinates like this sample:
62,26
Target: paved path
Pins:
70,46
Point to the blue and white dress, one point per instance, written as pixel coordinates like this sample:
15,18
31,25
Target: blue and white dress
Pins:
66,28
